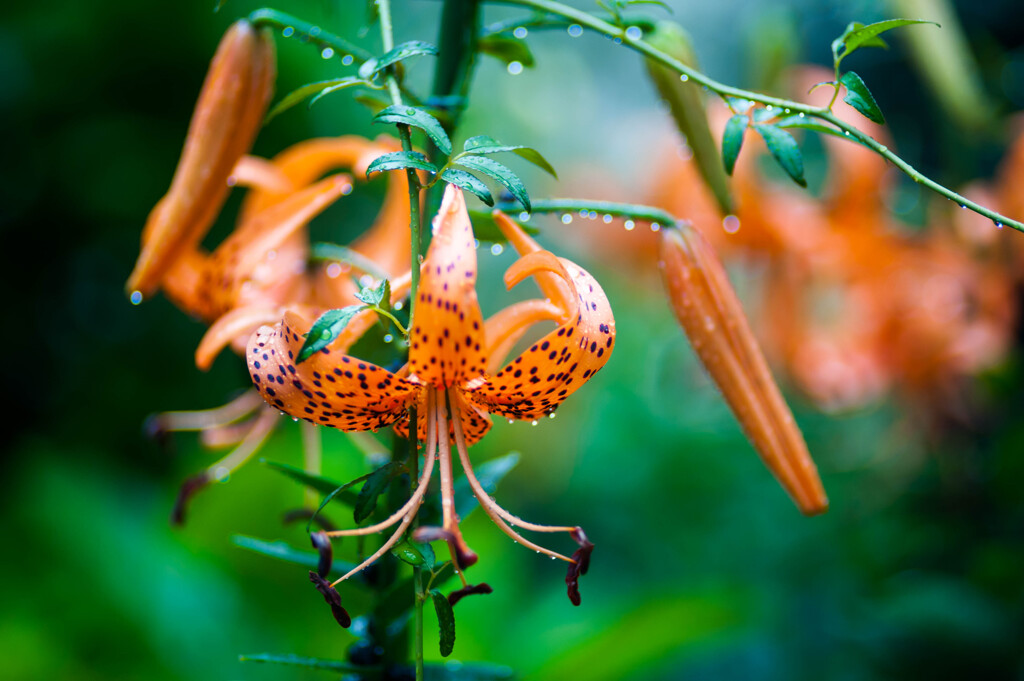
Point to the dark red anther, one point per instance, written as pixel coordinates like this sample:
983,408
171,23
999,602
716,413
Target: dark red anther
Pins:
322,543
333,599
579,566
464,556
469,590
185,494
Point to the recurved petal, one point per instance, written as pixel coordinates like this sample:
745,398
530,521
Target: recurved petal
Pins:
446,341
536,382
710,313
231,105
551,285
330,388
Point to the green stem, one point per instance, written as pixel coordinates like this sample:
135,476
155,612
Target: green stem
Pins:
788,106
384,313
415,217
417,571
620,210
314,34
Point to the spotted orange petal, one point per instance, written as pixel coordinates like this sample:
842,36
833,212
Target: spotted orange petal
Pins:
446,340
536,382
329,388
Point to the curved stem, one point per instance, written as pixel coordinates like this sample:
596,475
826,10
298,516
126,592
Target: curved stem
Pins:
723,90
314,34
634,211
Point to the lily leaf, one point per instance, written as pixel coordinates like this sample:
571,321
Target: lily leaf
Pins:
784,150
732,140
857,35
378,296
413,48
469,182
283,551
446,620
415,554
317,482
417,118
396,160
374,486
308,662
860,98
326,329
308,90
499,172
482,144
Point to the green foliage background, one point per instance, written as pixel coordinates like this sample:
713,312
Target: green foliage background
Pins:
703,569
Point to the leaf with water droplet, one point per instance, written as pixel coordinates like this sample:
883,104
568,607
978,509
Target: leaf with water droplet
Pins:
415,554
378,296
326,329
308,90
732,140
499,172
397,160
508,50
417,118
860,98
412,48
486,230
784,150
445,620
482,144
469,182
374,486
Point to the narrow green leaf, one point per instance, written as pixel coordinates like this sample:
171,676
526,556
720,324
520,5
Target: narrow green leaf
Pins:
374,486
418,118
805,124
482,144
858,35
334,88
506,49
415,554
763,115
413,48
446,621
732,140
467,671
336,253
341,492
658,3
860,98
396,160
784,150
307,90
282,551
489,474
326,329
740,105
317,482
499,172
460,178
308,662
378,295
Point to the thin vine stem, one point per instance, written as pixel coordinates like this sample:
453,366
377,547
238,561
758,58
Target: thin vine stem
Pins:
633,211
307,31
825,114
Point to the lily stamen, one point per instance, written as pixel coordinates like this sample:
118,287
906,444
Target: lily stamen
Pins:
204,419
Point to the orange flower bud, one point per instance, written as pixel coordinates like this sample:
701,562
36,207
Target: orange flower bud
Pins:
707,307
229,112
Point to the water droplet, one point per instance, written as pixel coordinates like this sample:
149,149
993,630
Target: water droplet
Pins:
511,421
655,227
998,225
326,334
366,280
515,68
767,107
520,32
634,33
583,213
399,305
551,415
135,297
221,473
629,225
497,249
327,53
961,205
333,270
846,132
684,78
346,189
786,111
288,32
232,180
388,338
802,115
533,423
883,148
524,217
314,31
295,418
566,219
575,31
731,224
592,215
347,60
606,218
476,243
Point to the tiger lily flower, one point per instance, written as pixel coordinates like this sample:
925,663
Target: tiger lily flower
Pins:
709,312
449,377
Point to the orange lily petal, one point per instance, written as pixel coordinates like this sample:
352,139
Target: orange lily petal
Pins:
447,335
329,388
259,173
228,113
551,285
708,310
238,322
537,381
504,329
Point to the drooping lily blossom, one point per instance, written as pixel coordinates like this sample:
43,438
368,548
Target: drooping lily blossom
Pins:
710,313
447,378
229,113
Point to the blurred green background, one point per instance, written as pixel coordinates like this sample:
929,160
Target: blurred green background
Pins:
703,568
